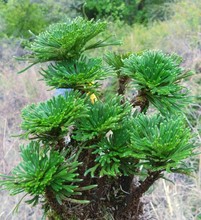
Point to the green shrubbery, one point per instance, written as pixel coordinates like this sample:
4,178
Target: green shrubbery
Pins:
135,11
20,16
113,10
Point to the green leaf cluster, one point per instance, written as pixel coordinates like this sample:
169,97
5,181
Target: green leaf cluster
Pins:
110,154
43,169
102,117
50,120
161,143
158,76
66,41
81,74
151,143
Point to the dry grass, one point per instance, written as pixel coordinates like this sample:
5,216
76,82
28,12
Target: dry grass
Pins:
178,201
16,91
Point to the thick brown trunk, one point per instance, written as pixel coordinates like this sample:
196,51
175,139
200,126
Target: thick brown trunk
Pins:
133,208
120,204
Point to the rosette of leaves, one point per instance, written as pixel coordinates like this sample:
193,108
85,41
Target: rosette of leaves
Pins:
157,76
104,117
161,144
42,170
77,74
110,154
116,61
65,41
50,120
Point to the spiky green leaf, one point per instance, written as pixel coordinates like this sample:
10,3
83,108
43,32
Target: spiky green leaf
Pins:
161,143
51,119
158,75
80,74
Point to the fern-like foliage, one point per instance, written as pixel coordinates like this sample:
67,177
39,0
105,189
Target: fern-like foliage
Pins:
81,138
103,118
43,169
77,75
161,143
50,120
64,41
158,76
110,154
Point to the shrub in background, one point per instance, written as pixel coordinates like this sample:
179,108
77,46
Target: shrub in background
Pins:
114,10
58,11
19,16
179,33
135,11
152,10
93,155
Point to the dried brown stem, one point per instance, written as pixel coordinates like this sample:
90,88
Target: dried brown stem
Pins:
140,100
123,81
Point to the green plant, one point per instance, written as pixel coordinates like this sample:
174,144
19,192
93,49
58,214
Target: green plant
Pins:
49,121
44,170
66,41
130,12
20,16
115,10
153,10
95,154
157,77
